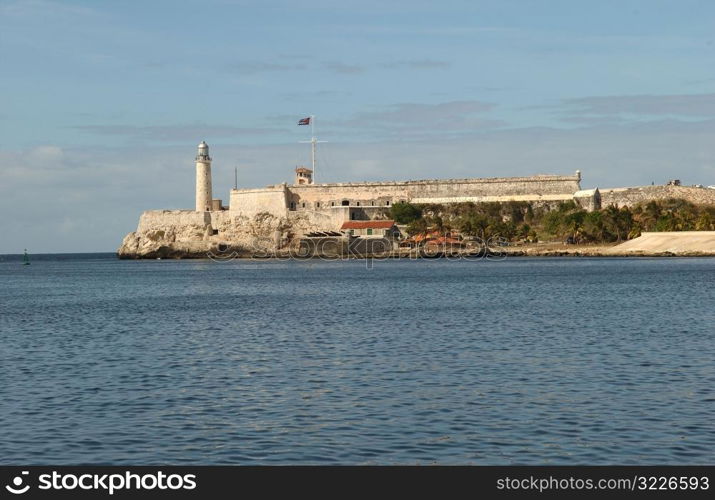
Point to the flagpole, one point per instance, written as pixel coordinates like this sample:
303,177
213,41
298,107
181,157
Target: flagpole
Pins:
310,120
312,140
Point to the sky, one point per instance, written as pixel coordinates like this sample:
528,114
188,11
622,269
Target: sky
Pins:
103,103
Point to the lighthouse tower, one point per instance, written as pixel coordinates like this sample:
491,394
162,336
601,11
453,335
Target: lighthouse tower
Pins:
203,179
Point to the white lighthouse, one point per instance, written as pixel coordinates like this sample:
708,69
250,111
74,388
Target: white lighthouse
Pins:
203,179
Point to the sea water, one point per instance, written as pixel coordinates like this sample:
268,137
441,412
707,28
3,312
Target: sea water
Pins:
518,361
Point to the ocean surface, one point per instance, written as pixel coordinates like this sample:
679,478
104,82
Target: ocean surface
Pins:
520,361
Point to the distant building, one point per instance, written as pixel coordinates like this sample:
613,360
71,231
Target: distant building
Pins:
433,238
371,228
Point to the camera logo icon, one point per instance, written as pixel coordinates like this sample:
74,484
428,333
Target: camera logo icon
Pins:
16,487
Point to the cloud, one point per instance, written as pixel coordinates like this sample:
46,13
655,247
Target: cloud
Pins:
594,121
434,119
86,199
488,88
416,64
312,96
173,133
43,8
342,68
432,30
411,112
46,155
699,82
408,121
336,67
693,105
256,67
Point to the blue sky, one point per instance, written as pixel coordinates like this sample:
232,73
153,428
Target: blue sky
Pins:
102,103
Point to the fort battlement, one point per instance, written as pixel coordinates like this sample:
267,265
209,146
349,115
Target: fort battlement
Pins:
282,199
541,178
631,196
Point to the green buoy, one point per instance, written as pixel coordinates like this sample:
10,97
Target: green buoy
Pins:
26,259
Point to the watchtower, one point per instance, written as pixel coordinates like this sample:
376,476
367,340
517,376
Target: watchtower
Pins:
303,175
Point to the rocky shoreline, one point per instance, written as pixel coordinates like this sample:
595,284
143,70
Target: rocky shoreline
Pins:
219,236
219,253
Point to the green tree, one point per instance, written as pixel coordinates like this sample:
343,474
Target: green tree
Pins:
417,226
617,223
666,222
593,227
405,213
473,225
573,224
553,222
704,222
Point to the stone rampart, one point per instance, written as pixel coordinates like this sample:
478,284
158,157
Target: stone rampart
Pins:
628,197
250,202
279,198
428,191
182,223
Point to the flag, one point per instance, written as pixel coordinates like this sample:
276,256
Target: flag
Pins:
304,121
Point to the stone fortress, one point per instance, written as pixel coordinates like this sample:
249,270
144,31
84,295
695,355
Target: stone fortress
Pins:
275,216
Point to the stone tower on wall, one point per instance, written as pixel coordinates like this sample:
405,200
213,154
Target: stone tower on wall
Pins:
303,176
203,179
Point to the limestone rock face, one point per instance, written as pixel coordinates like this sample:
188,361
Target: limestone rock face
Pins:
190,234
130,245
165,233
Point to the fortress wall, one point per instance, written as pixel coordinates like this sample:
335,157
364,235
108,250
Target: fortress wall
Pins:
186,223
249,202
628,197
501,199
335,194
449,190
332,218
164,232
306,221
369,213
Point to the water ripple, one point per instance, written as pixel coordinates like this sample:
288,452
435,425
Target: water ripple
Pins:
526,361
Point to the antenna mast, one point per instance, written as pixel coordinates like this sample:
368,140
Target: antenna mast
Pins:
313,143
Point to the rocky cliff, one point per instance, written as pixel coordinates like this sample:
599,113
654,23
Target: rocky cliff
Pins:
190,234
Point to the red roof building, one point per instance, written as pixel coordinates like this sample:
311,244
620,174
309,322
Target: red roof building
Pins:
375,228
365,224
